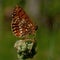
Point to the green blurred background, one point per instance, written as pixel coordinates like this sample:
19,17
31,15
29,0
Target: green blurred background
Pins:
46,14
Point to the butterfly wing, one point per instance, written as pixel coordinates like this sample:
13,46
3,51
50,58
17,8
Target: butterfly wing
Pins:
21,24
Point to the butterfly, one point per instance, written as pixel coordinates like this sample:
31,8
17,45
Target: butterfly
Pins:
21,24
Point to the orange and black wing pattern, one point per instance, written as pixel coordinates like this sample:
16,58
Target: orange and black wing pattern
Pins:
21,24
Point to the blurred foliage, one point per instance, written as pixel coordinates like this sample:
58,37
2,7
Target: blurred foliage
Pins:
50,7
22,3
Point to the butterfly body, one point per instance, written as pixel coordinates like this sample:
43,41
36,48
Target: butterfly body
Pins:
21,24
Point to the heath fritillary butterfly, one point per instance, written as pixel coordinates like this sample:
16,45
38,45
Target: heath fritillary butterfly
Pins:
21,24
